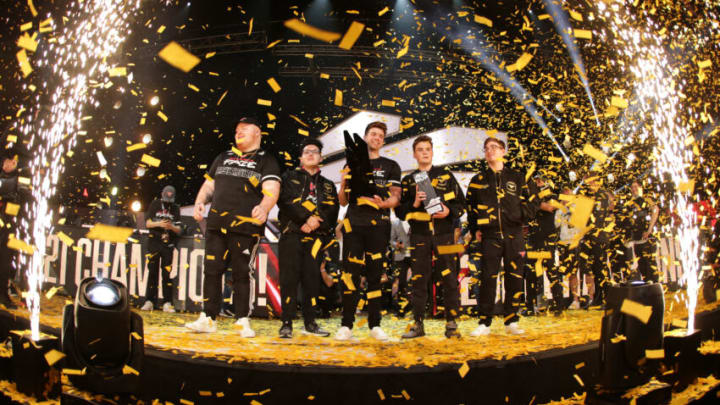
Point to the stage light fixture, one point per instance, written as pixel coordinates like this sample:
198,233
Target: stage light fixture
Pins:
108,141
140,171
154,100
147,138
136,206
103,338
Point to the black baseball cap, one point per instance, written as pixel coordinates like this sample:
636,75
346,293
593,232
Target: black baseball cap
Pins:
250,120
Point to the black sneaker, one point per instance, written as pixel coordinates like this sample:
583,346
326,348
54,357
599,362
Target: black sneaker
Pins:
286,331
314,329
416,331
451,330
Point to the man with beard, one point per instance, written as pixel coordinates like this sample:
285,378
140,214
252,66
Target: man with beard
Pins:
242,185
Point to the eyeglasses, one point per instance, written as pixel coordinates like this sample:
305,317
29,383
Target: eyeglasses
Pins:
311,152
491,147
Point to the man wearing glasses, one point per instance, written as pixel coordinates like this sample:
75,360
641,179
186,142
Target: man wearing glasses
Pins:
308,213
498,203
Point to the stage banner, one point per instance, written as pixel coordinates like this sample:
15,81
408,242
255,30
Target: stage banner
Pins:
66,265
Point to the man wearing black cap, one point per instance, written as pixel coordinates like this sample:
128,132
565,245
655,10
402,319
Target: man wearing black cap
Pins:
163,221
10,199
308,213
243,184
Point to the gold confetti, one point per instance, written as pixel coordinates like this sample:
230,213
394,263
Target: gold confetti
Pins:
383,11
352,35
582,34
338,97
310,31
149,160
273,84
521,62
136,146
162,116
463,370
637,310
12,208
177,57
264,102
22,58
109,233
483,20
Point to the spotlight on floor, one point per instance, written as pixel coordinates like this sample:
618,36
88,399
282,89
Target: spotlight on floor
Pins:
631,340
102,338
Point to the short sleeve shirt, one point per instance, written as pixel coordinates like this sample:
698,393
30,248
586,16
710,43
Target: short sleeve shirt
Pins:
386,174
238,189
158,212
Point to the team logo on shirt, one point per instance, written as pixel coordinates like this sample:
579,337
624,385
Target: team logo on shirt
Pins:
511,187
239,162
328,188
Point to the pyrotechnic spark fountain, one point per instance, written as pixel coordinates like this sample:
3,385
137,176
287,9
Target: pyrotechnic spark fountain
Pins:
92,33
563,28
657,94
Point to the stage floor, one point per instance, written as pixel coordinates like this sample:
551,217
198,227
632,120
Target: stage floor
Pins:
166,332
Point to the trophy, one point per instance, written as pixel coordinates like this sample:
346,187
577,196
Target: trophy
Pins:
432,203
361,172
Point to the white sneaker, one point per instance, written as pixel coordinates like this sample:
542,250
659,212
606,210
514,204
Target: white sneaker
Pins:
168,307
203,324
378,334
481,330
245,329
343,333
574,305
147,306
514,329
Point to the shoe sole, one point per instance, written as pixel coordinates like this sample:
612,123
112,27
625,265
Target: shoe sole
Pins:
304,332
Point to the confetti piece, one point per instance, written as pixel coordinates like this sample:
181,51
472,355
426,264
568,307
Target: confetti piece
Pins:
352,35
380,394
595,153
72,371
309,205
583,207
388,103
193,87
162,116
539,255
117,72
20,245
222,97
338,97
53,356
51,292
149,160
310,31
582,34
25,67
161,29
575,15
655,354
32,8
577,378
450,249
618,102
483,20
12,209
374,294
27,42
28,25
264,102
521,62
637,310
136,146
109,233
705,64
463,370
316,247
177,57
418,216
686,186
383,11
402,52
346,225
273,84
65,238
449,196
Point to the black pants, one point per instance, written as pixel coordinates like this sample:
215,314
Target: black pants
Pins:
511,250
423,248
645,256
298,266
156,254
363,249
593,257
220,250
402,267
7,256
533,281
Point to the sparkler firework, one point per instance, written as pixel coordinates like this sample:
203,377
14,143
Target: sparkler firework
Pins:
90,35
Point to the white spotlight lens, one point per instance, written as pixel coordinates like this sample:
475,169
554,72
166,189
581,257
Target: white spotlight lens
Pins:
140,171
103,294
154,100
146,138
136,206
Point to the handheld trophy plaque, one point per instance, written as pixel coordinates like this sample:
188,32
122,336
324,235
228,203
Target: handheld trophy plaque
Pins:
432,202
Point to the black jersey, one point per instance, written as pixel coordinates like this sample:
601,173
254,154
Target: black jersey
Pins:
162,211
238,189
386,173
